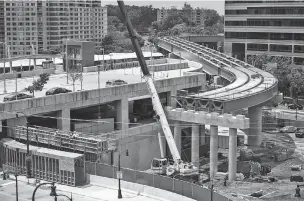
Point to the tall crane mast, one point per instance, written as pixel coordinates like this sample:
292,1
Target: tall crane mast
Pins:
157,106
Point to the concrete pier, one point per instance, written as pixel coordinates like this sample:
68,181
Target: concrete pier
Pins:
63,119
213,150
178,135
195,144
255,128
232,153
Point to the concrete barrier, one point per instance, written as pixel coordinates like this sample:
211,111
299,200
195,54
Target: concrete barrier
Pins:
144,190
27,73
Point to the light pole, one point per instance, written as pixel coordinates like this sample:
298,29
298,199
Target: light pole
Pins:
152,61
99,115
111,60
119,173
28,159
53,192
66,59
4,61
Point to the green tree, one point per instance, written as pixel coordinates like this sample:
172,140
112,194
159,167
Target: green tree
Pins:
296,79
281,71
211,17
38,85
74,75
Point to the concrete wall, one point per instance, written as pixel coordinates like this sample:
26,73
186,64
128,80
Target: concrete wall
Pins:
95,127
162,65
27,73
142,145
86,98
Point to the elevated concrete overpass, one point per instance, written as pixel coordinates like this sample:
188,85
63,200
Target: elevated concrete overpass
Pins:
249,87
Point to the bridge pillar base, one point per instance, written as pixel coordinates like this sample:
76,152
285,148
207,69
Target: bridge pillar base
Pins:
122,117
213,150
255,122
202,135
195,144
178,135
63,120
232,153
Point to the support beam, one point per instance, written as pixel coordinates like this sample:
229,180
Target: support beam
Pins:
202,135
63,119
232,153
178,136
122,116
171,101
255,129
195,144
213,150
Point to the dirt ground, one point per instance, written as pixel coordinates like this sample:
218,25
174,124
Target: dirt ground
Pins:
283,189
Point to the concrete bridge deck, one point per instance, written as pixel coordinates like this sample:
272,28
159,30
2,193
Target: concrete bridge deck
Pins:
250,86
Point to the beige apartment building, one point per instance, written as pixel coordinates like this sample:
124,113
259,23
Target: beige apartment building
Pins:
194,15
258,26
44,23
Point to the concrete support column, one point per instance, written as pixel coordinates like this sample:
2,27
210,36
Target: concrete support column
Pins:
202,135
63,119
255,122
178,136
13,123
213,150
232,153
195,144
217,80
122,117
171,101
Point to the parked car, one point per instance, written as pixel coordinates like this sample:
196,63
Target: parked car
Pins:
295,106
300,133
57,90
288,129
115,83
18,96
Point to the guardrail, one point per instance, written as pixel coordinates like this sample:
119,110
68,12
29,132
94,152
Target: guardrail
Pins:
188,189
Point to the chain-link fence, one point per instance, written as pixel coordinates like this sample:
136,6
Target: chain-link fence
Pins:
180,187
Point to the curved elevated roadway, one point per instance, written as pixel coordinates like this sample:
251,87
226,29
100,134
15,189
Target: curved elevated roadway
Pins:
249,86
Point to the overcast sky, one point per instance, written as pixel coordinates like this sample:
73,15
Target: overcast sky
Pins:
217,5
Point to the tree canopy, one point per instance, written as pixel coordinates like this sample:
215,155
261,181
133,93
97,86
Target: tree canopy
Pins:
38,84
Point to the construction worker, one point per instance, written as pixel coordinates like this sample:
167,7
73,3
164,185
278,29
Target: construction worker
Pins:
298,191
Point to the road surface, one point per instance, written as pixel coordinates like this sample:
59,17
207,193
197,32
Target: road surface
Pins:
90,80
84,193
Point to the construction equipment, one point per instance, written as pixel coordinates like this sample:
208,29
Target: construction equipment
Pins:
178,166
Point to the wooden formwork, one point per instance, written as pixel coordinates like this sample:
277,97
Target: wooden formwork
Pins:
46,164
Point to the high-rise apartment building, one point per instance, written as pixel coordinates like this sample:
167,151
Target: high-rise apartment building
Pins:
44,23
194,15
272,26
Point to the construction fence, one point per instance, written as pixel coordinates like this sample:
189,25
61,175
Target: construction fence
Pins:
184,188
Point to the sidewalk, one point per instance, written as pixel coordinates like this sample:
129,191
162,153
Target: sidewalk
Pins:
98,192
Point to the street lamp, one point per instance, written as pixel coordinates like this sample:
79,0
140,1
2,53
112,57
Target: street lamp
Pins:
111,60
28,159
99,115
4,61
53,192
66,59
119,173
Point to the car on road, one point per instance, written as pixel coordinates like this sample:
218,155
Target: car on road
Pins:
111,83
300,133
295,106
16,96
57,90
288,129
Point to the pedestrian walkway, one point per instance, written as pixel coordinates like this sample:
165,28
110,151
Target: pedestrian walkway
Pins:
95,191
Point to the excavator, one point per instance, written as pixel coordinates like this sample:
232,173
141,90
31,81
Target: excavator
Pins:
158,165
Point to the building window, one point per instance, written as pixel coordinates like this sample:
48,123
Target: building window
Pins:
299,48
298,60
257,47
280,48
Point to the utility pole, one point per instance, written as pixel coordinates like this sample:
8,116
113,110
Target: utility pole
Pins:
66,59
